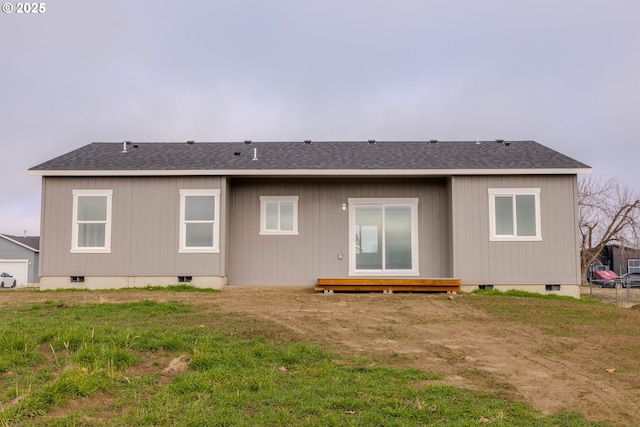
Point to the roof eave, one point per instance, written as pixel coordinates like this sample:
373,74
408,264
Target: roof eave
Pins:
313,172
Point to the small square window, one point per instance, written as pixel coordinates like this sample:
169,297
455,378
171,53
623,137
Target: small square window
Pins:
514,214
279,215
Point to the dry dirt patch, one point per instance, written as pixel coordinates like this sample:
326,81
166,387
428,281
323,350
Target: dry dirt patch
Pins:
434,332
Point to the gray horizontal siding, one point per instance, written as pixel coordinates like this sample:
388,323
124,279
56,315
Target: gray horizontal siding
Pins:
145,228
480,261
324,228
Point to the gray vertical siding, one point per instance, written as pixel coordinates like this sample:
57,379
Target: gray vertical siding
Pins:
479,261
145,228
324,228
453,217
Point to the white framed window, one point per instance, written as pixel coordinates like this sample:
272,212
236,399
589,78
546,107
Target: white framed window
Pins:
634,265
383,237
199,221
514,214
91,229
278,215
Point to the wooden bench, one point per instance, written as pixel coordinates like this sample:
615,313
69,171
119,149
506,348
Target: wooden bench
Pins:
387,285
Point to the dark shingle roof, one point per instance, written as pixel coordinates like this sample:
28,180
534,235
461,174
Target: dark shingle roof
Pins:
314,156
32,242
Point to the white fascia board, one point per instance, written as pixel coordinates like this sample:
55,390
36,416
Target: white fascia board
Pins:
311,172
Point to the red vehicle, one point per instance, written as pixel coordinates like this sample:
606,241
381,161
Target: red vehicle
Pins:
601,276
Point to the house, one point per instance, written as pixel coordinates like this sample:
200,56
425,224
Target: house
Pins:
19,257
620,259
497,214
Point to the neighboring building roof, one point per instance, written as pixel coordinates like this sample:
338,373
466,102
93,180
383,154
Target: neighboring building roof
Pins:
29,242
332,157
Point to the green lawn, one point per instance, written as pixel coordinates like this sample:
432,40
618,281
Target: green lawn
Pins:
104,364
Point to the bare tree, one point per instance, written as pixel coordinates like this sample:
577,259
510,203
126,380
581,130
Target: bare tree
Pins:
608,212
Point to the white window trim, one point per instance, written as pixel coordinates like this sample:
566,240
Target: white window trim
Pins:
263,215
106,249
493,192
415,258
184,193
631,269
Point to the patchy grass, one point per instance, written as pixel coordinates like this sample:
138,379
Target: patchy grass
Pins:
524,294
614,330
176,288
554,314
168,288
105,364
553,311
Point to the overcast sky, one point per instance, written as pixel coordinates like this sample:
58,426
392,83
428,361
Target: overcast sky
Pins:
565,73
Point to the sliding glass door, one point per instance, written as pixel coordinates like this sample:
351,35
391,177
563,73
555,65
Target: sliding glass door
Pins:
384,236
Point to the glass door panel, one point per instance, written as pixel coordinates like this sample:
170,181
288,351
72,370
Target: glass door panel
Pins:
368,237
397,237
